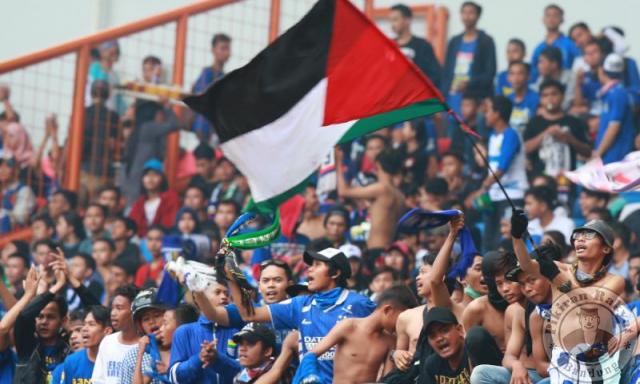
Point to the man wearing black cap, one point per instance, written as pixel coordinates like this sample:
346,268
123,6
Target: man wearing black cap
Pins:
449,363
316,314
256,347
16,199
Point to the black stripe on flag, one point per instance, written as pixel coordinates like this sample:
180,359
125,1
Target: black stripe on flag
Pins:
274,81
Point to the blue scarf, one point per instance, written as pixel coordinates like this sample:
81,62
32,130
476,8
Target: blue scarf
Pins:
307,371
152,349
329,298
419,219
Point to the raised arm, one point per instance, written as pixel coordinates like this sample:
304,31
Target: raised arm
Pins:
439,291
259,315
30,285
349,192
217,314
335,336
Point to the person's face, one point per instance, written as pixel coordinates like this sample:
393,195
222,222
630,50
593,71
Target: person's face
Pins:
102,253
491,116
551,99
435,240
354,263
42,255
252,355
505,228
399,23
514,53
509,290
205,167
445,339
57,205
535,287
423,281
318,276
593,55
381,282
78,268
469,16
581,37
93,332
151,321
394,259
168,327
474,276
221,52
121,313
63,229
273,284
8,249
39,231
117,278
533,207
336,227
546,67
151,181
225,171
194,199
217,294
119,230
186,224
151,72
518,76
154,242
6,173
49,321
408,133
75,337
373,148
225,216
589,249
589,320
588,202
311,201
16,271
451,167
94,220
552,19
469,109
109,199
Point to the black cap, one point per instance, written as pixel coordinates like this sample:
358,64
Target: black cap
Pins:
298,289
439,315
330,255
254,332
601,228
146,299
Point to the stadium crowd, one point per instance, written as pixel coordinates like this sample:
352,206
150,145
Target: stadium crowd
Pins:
342,296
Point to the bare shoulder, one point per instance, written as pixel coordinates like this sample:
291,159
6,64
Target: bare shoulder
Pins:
478,305
513,310
411,314
614,283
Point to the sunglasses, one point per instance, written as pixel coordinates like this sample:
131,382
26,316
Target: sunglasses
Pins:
587,235
277,263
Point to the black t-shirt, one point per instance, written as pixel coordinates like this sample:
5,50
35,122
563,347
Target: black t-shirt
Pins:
414,166
437,371
101,125
553,154
421,53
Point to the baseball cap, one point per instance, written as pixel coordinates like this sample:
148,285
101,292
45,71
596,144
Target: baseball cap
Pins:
439,315
601,228
298,289
254,332
613,63
147,299
351,250
154,165
330,255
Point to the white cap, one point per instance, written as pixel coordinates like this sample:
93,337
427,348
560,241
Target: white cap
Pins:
351,250
614,63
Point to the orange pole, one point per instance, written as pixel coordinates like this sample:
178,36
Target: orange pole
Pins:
19,234
440,39
368,8
112,33
173,141
274,20
76,129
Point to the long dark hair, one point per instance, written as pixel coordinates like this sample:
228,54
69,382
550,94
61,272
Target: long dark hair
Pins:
75,221
164,184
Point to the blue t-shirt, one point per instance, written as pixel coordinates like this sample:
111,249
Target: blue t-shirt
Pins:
617,106
314,323
590,86
8,360
76,369
523,110
568,48
49,354
503,86
235,321
461,72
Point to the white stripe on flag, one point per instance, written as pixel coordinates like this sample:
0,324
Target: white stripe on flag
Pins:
280,155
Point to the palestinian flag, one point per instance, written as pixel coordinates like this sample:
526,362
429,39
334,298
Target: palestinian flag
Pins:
332,77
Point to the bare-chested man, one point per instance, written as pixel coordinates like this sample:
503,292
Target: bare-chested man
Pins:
583,285
387,200
363,345
312,221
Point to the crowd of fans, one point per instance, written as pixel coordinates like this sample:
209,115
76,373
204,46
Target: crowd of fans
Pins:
80,298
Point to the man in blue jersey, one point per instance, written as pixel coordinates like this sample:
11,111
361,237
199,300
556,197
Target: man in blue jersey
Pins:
516,51
616,131
553,18
316,314
525,100
78,367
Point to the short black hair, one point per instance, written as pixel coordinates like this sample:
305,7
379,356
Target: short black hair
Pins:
151,59
519,42
341,281
204,151
280,264
112,188
75,221
129,291
404,10
556,7
129,223
385,269
375,136
185,313
157,227
63,307
102,208
89,261
337,210
503,106
551,83
19,255
552,54
457,155
477,7
436,186
70,197
198,187
579,25
52,245
602,213
46,219
110,243
526,66
100,314
398,296
597,194
77,314
128,266
232,203
390,160
543,194
220,38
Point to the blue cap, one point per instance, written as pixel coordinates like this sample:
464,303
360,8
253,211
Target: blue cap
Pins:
153,164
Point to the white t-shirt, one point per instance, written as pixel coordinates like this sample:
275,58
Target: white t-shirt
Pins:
562,224
109,359
150,209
